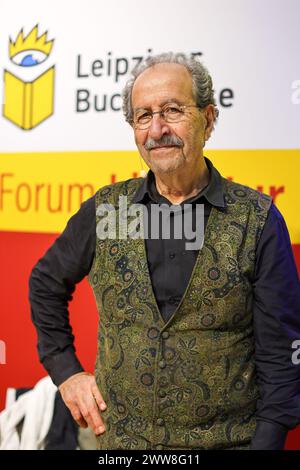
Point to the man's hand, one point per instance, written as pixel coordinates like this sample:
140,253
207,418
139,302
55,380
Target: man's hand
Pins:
81,395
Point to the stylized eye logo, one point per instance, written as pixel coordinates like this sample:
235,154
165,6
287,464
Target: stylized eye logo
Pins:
30,50
29,58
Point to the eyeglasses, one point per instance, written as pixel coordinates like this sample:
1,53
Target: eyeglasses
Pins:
170,113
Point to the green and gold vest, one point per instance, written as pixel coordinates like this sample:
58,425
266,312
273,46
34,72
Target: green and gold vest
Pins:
189,383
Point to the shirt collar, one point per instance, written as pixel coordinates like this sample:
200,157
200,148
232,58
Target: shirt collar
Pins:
213,192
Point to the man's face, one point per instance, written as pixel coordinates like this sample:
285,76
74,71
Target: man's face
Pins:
176,144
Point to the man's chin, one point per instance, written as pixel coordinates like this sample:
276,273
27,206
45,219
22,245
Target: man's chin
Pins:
167,166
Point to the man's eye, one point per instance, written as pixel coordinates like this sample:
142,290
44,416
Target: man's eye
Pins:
143,117
173,110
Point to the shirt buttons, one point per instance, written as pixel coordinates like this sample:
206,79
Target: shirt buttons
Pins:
172,255
165,334
162,364
174,300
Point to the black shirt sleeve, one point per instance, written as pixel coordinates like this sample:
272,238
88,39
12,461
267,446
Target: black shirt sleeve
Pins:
276,311
51,285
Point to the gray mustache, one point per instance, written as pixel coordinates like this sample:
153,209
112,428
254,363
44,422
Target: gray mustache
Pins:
166,140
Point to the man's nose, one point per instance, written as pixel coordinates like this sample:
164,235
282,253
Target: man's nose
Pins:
158,127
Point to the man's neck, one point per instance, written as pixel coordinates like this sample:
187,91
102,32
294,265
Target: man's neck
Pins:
182,185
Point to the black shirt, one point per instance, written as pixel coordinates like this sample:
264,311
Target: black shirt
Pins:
170,263
276,305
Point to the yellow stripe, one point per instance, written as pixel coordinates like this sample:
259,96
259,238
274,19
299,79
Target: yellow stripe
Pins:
40,191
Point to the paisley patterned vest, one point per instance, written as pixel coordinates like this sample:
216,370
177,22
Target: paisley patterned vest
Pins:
189,383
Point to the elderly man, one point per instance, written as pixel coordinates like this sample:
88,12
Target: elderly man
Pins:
195,345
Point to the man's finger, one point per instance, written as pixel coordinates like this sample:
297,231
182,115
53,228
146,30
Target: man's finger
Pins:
98,424
77,416
91,414
98,398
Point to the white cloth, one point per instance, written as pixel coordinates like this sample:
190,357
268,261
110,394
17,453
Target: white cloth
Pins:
36,407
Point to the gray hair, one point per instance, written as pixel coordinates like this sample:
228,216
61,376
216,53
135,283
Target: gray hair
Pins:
201,79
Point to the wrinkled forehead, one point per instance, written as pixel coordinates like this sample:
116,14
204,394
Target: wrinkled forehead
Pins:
161,83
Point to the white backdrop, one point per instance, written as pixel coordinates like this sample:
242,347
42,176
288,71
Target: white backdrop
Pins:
249,46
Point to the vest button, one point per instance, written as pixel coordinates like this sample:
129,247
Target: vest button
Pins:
160,422
165,334
162,393
163,381
162,364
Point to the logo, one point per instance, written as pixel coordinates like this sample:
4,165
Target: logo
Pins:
132,221
29,97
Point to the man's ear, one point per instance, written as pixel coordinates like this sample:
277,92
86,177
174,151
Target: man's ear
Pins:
210,120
